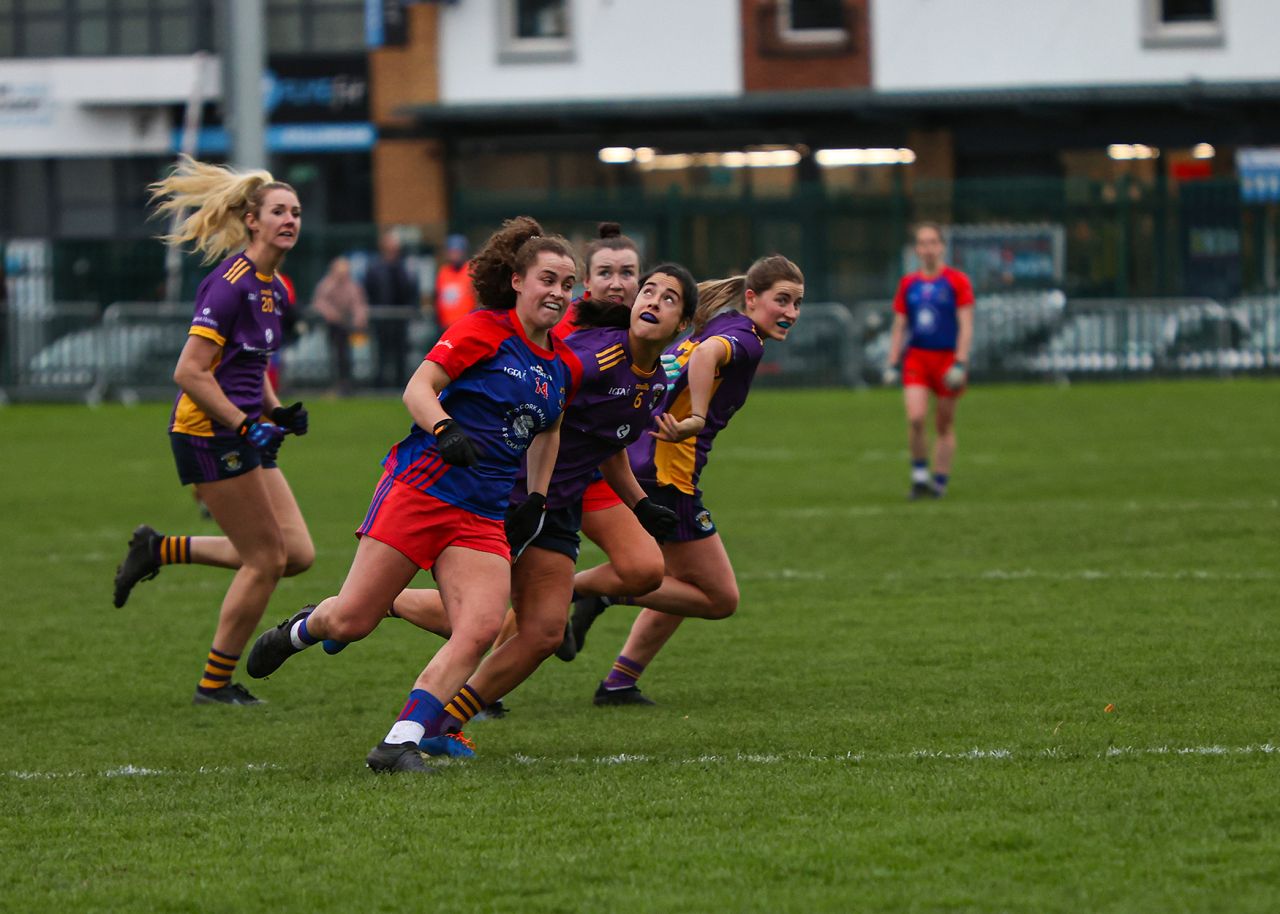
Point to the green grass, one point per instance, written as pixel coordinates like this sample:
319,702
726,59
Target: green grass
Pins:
907,714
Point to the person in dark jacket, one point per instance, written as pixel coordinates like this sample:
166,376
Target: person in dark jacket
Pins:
389,282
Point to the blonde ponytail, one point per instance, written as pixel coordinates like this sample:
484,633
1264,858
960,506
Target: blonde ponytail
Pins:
715,295
219,197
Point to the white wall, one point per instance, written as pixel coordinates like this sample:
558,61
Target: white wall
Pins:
621,49
932,44
94,106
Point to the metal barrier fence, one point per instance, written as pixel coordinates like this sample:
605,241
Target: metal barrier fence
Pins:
71,351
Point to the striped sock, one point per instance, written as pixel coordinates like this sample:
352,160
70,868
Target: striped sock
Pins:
624,674
421,708
299,635
465,705
919,471
217,671
172,550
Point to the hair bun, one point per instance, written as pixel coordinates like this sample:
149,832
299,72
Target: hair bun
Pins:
610,230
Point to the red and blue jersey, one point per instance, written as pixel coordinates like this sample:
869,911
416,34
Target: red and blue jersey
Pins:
504,391
613,407
239,309
680,463
930,304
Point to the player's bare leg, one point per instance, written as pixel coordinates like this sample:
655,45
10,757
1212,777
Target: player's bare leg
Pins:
915,399
944,448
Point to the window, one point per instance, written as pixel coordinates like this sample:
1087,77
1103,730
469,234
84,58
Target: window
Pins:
1182,23
812,21
94,28
534,30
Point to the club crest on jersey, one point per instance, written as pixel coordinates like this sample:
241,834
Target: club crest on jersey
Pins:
521,424
704,522
231,461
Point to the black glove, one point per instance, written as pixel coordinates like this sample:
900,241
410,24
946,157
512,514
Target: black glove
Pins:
272,451
291,418
454,445
524,522
658,522
262,434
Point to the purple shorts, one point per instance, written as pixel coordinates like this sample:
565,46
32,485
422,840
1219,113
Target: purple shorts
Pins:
693,520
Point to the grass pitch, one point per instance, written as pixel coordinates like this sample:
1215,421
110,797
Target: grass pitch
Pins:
909,712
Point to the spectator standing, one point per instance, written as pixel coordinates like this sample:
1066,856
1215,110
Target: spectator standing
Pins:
454,296
341,302
387,282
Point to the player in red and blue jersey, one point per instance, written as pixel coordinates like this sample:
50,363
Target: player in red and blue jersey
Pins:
491,392
720,360
227,424
929,352
622,387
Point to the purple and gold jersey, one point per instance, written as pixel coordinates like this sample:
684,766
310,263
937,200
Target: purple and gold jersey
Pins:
239,309
680,463
504,391
613,407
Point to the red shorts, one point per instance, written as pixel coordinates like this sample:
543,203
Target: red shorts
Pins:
925,368
422,526
599,495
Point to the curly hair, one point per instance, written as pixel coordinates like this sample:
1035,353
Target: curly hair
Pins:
510,251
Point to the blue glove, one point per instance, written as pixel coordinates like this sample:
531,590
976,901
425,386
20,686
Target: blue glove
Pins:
292,419
262,435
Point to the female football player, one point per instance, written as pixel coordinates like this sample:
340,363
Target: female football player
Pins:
931,337
491,391
227,424
621,387
735,317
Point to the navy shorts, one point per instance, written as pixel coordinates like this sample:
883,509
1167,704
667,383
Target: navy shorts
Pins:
202,459
693,520
560,528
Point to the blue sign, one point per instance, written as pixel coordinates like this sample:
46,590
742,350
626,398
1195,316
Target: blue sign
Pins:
348,137
1259,171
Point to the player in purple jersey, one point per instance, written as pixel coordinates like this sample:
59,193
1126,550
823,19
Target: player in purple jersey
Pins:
720,360
227,423
492,392
622,386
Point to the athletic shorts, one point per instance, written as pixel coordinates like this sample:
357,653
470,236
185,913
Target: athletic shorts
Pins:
209,459
693,520
926,367
421,526
559,531
599,495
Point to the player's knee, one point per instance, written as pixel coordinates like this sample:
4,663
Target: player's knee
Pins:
544,638
474,639
640,578
916,423
268,562
724,604
299,560
344,626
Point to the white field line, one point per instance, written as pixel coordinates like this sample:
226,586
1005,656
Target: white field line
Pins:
1022,506
1018,574
739,758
